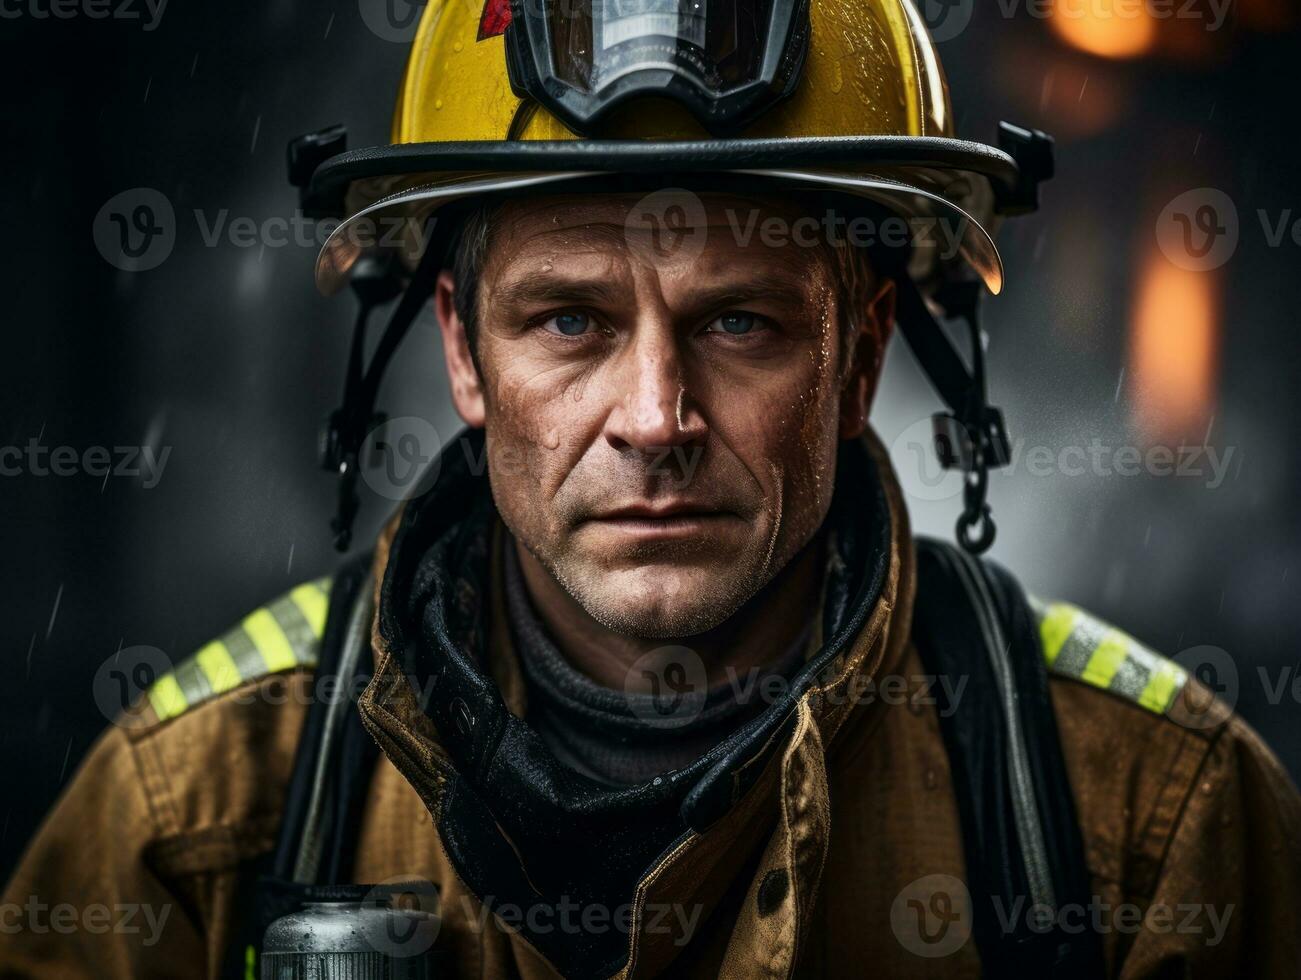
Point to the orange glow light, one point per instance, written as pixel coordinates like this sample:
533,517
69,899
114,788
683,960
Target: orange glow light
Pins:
1107,28
1173,349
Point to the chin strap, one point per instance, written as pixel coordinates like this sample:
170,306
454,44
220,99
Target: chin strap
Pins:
375,281
971,436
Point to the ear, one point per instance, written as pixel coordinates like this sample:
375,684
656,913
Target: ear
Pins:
467,389
861,377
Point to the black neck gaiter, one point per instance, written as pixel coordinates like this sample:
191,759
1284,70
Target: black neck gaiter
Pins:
596,731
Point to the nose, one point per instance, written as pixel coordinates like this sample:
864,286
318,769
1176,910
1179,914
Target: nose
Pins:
655,411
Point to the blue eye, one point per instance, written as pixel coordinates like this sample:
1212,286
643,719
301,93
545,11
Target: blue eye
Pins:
568,324
734,323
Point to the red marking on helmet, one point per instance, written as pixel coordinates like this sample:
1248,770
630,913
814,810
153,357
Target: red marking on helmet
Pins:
495,18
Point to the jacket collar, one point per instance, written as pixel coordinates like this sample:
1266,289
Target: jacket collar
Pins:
426,711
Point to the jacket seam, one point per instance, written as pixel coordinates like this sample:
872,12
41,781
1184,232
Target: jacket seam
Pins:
1179,797
162,807
246,839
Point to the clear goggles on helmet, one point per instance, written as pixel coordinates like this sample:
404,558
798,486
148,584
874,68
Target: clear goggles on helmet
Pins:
725,60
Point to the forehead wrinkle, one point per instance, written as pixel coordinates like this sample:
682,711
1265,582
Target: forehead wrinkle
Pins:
532,231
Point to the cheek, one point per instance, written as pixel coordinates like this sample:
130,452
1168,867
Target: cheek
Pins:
785,428
535,427
786,417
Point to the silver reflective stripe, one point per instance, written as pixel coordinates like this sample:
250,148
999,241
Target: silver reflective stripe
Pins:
1083,648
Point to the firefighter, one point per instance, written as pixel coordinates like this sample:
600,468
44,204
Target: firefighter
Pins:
650,677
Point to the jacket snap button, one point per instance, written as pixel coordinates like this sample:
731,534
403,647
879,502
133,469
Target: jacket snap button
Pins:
771,891
461,717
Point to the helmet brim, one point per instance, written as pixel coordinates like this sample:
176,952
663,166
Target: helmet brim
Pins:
951,183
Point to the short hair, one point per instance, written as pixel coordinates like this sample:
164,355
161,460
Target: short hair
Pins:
858,273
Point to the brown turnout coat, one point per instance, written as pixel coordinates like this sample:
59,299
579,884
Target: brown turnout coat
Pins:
1192,834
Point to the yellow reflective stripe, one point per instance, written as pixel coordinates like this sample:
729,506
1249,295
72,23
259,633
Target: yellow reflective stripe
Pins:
167,698
1161,689
1055,629
313,602
1106,659
258,646
219,667
270,640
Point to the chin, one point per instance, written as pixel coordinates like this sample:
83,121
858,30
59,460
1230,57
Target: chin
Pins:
664,601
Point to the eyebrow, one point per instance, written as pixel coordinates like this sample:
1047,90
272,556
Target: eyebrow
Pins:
758,286
533,287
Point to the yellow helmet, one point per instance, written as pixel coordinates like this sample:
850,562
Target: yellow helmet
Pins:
844,96
853,100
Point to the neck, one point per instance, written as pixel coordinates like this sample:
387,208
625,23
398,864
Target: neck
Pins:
755,635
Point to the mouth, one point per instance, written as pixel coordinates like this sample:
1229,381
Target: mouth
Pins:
670,519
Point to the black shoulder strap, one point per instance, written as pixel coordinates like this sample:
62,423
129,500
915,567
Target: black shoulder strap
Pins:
1026,873
331,775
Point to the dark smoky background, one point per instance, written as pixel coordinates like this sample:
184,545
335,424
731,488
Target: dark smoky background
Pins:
1150,316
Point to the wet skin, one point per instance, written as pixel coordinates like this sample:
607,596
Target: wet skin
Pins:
661,425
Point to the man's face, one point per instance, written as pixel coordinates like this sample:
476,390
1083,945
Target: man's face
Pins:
661,422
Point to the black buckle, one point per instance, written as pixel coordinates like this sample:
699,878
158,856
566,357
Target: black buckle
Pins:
304,154
1032,149
961,448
